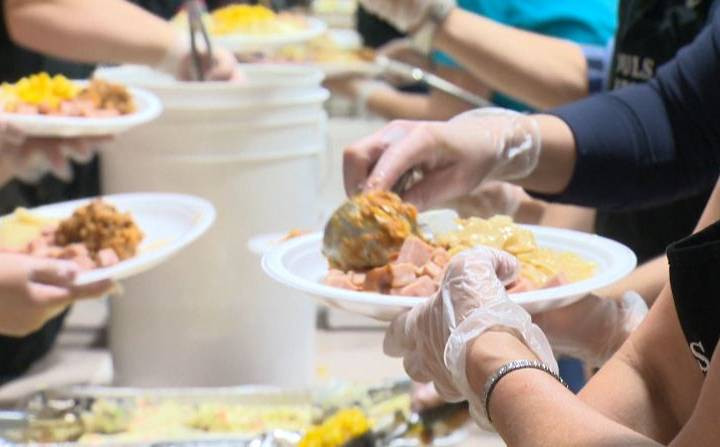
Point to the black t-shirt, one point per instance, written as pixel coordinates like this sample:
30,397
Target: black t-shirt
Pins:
693,265
649,34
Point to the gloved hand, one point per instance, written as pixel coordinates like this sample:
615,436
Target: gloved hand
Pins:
455,156
433,338
491,198
593,328
405,15
30,158
178,63
34,290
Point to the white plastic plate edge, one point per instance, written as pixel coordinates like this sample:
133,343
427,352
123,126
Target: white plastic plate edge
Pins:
624,261
142,262
149,107
243,42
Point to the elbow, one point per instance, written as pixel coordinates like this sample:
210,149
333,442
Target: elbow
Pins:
561,92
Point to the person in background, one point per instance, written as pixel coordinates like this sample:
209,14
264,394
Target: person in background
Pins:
544,72
69,37
592,24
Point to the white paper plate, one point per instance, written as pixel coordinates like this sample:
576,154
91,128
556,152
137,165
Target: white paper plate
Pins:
169,222
248,42
299,264
148,108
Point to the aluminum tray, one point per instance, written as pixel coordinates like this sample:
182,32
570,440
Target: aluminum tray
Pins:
241,395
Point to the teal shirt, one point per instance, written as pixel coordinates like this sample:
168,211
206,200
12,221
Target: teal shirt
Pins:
591,22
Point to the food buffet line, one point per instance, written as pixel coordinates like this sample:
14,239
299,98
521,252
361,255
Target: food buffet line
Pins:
190,279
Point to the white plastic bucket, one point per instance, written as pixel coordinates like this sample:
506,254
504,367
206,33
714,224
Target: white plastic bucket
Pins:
210,317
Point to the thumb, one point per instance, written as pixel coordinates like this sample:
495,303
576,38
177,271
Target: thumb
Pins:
53,271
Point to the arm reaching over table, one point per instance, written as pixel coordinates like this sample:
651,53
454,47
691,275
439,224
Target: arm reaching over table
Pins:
108,31
639,146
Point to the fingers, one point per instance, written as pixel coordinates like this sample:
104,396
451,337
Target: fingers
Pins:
49,293
358,160
53,272
397,340
405,151
435,188
11,135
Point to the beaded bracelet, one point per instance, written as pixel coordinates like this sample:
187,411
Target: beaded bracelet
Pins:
506,369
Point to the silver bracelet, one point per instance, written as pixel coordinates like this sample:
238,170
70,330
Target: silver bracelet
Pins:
506,369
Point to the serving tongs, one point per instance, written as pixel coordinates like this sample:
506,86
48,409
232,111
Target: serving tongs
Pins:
417,74
195,11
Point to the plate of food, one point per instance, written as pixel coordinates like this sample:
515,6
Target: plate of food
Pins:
326,53
55,106
112,237
558,266
241,27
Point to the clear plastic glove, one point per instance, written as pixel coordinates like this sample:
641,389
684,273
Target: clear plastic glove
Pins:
424,396
433,338
178,62
491,198
34,290
593,328
454,156
405,15
30,158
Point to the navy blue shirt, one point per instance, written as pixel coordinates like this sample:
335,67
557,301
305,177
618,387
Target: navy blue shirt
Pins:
652,143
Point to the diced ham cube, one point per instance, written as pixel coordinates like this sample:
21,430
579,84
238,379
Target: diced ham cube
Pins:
339,279
358,279
74,251
415,251
432,270
84,262
558,280
27,109
440,257
423,286
107,257
378,280
402,274
103,113
521,285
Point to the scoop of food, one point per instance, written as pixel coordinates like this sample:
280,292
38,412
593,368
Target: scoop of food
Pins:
368,231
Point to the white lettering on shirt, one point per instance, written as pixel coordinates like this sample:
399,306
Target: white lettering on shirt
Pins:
698,351
635,67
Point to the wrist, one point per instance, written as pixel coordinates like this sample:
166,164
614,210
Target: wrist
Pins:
423,37
172,59
489,352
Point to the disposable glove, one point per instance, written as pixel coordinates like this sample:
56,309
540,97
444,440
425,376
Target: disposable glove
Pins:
593,328
454,156
405,15
433,338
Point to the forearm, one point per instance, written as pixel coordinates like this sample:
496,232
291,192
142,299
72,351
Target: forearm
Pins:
556,163
539,70
394,104
530,408
567,216
89,31
647,280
